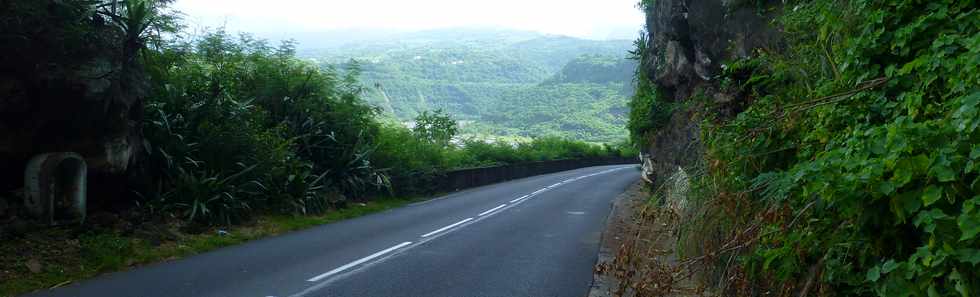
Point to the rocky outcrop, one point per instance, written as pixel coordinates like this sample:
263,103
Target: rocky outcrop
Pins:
84,112
69,82
688,41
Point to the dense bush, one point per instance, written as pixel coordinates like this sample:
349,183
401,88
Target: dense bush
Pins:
235,123
857,158
236,126
435,127
648,110
405,156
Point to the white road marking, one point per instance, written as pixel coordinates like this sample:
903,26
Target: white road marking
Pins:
545,189
577,213
447,227
409,245
491,210
358,262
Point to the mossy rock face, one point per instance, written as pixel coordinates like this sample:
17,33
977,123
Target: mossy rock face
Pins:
686,44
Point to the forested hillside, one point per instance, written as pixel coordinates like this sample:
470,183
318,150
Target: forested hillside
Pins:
500,83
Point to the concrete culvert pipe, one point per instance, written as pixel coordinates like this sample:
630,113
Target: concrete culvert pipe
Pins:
55,186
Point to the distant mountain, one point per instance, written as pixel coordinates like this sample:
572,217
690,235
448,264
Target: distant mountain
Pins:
330,39
506,82
312,42
595,69
556,51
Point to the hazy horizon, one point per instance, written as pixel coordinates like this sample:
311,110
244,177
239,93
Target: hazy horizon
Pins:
599,20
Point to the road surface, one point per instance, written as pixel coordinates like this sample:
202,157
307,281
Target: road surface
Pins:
536,236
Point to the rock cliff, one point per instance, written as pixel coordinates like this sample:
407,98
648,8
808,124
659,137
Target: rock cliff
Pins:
688,43
67,88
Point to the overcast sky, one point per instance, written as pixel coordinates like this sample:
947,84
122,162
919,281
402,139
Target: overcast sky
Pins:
596,19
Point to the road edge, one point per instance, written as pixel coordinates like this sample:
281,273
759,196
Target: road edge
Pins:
603,284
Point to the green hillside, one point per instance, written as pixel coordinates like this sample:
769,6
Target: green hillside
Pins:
501,83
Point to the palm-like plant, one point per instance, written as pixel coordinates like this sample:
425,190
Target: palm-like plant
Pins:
137,19
203,196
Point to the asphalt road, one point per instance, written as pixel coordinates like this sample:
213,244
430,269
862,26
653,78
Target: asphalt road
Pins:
537,236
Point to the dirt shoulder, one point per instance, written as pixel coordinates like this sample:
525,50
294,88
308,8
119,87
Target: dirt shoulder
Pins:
639,251
618,226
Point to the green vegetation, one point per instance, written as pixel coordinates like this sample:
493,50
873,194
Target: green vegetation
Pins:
648,110
855,164
507,83
412,161
594,69
235,126
237,134
435,127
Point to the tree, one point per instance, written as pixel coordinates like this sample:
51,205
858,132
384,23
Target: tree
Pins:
435,127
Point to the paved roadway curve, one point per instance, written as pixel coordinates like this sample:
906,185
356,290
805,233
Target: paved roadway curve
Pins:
536,236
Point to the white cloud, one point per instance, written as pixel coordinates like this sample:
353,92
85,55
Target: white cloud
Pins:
581,18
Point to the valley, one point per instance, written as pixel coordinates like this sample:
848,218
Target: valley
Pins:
498,83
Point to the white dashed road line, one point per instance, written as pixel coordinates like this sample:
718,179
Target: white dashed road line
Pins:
447,227
520,198
491,210
358,262
513,203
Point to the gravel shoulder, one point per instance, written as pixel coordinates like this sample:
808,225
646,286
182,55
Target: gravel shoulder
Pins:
620,222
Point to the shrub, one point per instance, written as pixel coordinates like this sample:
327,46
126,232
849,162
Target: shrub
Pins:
225,105
857,156
435,127
649,112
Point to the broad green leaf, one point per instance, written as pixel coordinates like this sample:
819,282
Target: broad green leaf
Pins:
961,286
931,195
874,274
969,224
886,188
927,219
903,172
944,173
911,202
921,162
889,266
969,255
